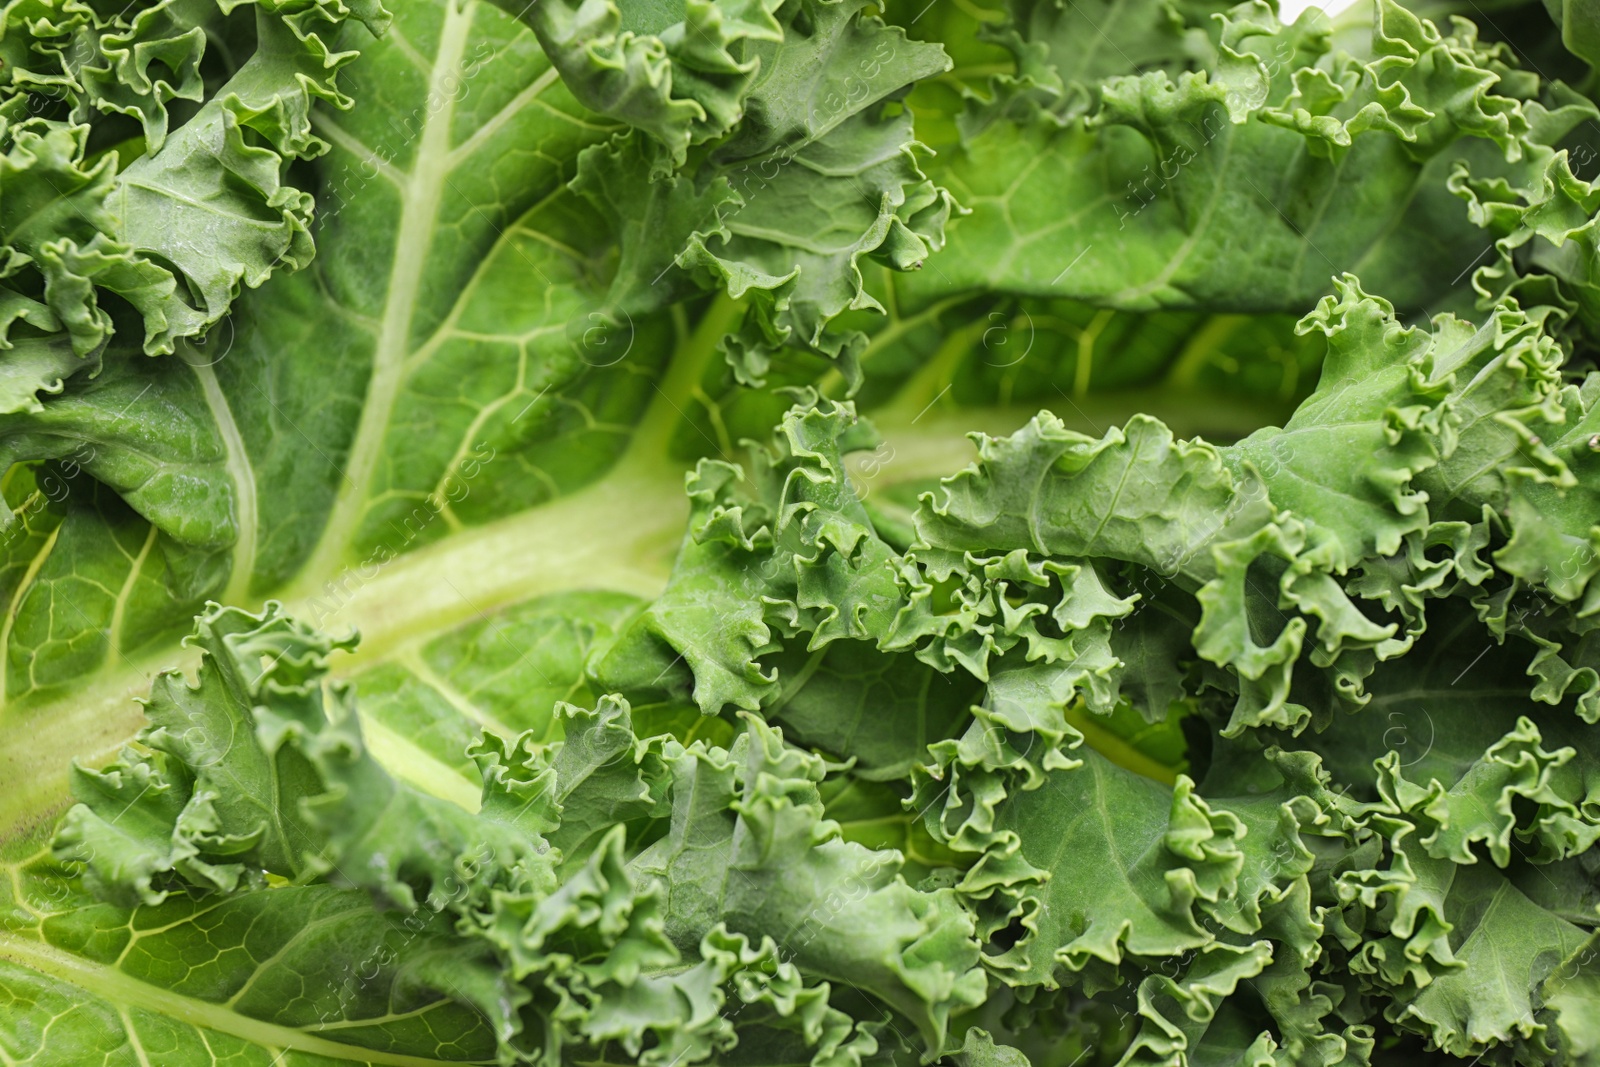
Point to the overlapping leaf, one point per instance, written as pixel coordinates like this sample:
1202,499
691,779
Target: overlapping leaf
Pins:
1255,729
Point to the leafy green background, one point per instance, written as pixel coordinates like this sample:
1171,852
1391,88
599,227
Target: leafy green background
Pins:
1144,806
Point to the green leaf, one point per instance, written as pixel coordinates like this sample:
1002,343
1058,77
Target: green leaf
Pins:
200,211
245,980
1328,168
1238,707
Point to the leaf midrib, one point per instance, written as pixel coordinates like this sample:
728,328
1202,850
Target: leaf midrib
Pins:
420,199
243,476
575,542
115,987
